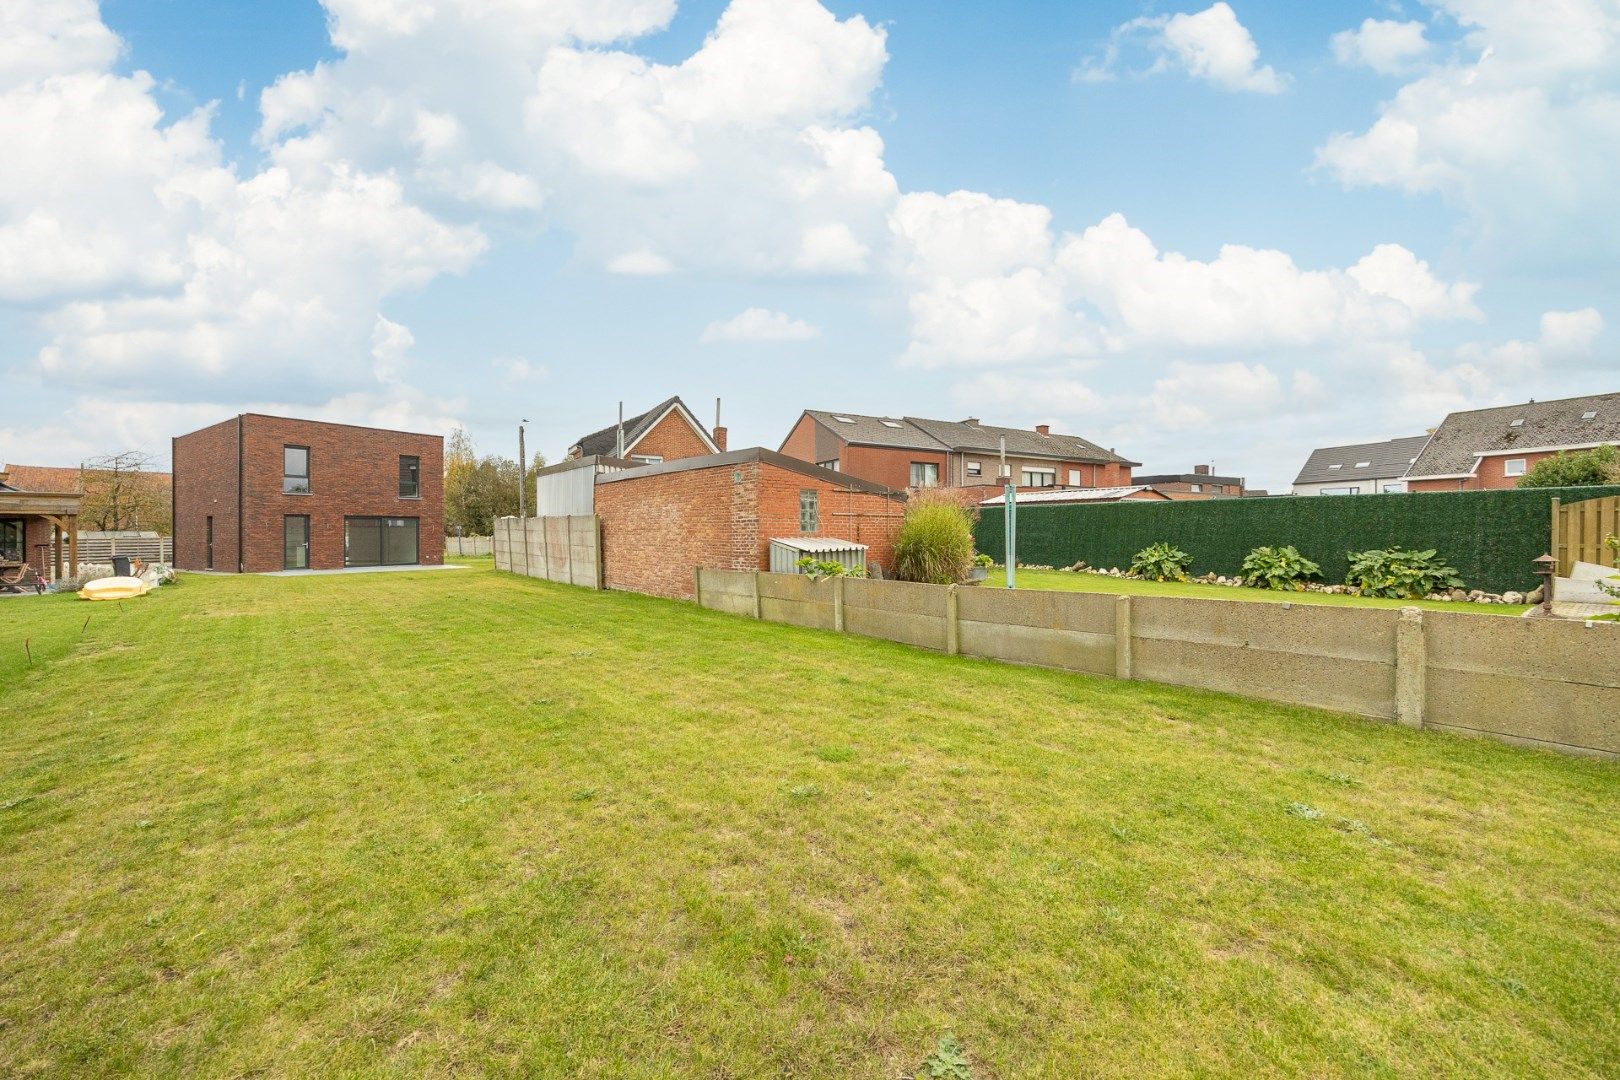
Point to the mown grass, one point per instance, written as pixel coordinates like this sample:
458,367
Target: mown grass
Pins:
1071,581
422,824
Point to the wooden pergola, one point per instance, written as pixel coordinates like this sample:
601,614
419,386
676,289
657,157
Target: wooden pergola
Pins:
57,510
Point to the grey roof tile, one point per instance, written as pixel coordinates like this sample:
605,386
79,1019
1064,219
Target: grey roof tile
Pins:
606,441
1455,443
1386,460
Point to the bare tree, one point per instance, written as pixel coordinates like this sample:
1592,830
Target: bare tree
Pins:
121,492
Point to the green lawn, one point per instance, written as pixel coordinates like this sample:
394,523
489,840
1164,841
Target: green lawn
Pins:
1067,581
435,823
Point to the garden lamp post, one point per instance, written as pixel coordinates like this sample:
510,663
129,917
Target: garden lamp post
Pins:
1547,567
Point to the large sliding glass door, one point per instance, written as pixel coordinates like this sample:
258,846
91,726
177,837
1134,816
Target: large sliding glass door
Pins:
380,541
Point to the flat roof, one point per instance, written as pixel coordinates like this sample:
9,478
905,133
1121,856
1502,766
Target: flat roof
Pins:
751,455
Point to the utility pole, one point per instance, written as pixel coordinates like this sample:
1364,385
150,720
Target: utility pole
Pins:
1009,517
523,476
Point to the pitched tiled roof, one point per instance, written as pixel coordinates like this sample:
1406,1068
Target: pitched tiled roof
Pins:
1385,461
605,442
1534,425
45,478
917,433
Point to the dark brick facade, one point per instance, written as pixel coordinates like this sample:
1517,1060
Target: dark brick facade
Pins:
353,472
657,524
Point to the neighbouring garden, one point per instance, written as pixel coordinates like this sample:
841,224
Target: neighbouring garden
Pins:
464,822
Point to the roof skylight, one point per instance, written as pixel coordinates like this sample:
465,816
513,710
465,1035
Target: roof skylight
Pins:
1590,414
1339,466
1516,423
844,419
1362,464
889,423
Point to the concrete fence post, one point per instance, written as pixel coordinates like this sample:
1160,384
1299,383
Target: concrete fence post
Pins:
953,628
1122,637
1411,667
838,603
759,609
697,585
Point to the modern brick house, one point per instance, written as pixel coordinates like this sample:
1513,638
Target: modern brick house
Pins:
1201,483
911,452
666,432
260,493
1360,468
1485,449
721,511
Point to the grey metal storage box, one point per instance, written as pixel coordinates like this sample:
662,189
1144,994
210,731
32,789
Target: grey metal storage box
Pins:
787,551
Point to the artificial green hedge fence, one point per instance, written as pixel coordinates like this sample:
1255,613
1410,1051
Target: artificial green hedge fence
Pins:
1489,536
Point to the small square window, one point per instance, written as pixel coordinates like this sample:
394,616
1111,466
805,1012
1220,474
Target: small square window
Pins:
830,464
809,511
924,474
1513,467
975,468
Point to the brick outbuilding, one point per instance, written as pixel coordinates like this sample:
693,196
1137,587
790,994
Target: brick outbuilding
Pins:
259,493
721,511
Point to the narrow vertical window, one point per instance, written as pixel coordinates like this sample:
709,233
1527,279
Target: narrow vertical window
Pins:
809,511
410,477
295,470
210,541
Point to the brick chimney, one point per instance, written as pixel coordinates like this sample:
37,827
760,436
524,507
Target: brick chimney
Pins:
1202,470
720,438
1043,429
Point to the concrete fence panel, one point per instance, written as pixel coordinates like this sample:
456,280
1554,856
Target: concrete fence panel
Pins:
898,611
797,599
1542,681
727,590
1073,631
1335,658
566,550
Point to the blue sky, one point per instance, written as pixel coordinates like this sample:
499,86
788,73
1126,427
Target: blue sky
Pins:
1194,232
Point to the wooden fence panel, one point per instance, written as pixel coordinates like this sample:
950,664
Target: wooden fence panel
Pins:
1580,530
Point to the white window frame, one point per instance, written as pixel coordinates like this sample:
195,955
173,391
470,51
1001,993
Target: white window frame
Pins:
1033,477
648,459
1074,477
1509,470
975,468
1341,491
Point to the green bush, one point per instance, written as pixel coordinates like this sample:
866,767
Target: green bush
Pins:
1161,562
816,569
1600,465
1400,575
935,543
1278,568
983,560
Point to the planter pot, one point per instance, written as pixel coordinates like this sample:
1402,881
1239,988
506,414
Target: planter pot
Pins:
978,574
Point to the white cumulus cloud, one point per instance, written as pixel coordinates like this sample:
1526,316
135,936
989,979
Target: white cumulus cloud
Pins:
758,324
1386,46
1211,45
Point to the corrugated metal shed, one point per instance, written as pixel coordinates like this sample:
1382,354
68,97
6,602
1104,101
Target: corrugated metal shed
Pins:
569,489
788,550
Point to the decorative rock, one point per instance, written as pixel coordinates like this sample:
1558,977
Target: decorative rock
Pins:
1512,598
1458,595
1535,595
1476,595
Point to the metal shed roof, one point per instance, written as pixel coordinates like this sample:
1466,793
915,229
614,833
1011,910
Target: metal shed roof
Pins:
816,544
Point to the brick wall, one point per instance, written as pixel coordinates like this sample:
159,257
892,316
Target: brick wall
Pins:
204,486
1491,475
671,438
656,528
354,471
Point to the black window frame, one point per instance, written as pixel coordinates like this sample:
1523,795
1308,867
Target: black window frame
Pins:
210,541
286,561
809,510
382,538
308,468
416,470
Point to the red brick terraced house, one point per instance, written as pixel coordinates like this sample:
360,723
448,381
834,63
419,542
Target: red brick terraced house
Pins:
1486,449
666,432
911,452
258,493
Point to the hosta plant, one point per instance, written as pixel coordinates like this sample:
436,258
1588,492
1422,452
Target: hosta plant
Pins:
1400,575
1161,562
817,569
1278,568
